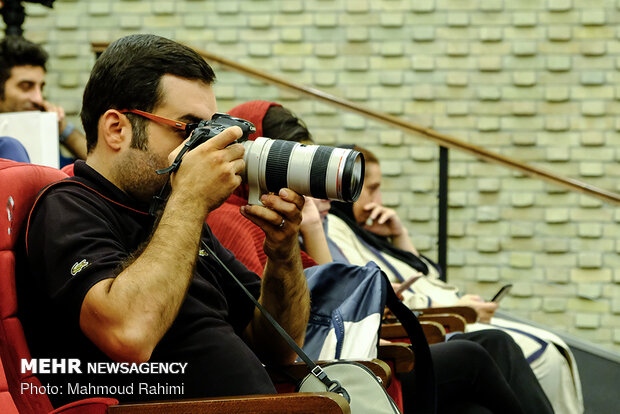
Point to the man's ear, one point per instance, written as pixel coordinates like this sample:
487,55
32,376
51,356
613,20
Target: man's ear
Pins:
115,130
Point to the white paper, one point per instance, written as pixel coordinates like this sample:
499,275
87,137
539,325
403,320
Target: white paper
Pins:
38,131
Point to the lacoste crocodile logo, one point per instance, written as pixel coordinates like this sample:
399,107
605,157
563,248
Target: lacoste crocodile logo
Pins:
78,267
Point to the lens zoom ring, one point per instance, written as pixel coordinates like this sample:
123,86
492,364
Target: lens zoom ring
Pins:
318,172
277,165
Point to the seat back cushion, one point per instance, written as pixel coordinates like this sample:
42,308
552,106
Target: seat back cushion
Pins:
19,185
7,405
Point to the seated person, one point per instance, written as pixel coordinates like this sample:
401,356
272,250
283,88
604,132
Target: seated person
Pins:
102,280
458,364
366,230
22,78
12,149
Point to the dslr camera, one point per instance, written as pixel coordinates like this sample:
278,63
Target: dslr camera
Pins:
206,129
271,164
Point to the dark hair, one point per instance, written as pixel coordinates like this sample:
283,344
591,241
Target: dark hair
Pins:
127,76
280,123
17,51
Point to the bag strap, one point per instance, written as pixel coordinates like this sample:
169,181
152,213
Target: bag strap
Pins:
317,371
425,374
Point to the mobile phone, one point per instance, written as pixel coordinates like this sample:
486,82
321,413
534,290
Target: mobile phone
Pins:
501,293
405,285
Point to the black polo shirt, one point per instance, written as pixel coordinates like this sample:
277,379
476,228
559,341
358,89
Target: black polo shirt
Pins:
81,233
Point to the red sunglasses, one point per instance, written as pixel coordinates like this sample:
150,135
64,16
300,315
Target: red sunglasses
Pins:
183,126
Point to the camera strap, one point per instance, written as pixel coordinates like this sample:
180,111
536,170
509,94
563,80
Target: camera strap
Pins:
160,199
189,144
316,370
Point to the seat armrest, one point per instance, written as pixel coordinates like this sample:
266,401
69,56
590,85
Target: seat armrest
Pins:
451,322
433,331
87,406
400,354
466,312
321,402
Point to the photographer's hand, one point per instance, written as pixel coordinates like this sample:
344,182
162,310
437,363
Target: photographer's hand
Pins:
280,219
210,172
284,289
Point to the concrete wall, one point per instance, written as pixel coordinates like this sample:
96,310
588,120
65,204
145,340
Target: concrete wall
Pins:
534,80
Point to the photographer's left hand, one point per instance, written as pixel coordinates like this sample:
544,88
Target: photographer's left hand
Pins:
279,218
284,289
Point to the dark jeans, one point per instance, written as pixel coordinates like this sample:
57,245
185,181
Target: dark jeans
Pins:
469,380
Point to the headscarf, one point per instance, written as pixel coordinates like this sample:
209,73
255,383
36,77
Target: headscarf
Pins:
253,111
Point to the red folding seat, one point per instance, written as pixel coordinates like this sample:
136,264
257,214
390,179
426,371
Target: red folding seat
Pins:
68,169
7,406
19,186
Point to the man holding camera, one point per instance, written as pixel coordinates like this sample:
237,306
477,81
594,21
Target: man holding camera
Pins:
106,281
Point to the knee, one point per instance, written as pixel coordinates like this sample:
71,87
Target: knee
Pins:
495,339
474,353
497,335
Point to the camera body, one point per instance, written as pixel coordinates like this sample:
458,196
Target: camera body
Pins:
207,129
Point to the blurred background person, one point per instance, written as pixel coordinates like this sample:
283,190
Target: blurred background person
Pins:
22,80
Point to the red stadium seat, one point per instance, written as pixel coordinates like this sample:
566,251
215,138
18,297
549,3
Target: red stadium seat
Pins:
7,405
68,169
19,185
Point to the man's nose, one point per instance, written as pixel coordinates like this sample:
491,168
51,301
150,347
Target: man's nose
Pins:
36,96
376,197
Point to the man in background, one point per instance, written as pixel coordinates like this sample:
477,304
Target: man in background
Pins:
22,79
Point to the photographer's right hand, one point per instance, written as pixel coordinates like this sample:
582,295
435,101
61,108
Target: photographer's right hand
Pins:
210,172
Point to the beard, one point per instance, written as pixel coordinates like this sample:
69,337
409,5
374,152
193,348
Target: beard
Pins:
135,174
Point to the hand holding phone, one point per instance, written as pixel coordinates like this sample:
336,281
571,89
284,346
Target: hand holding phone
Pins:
501,293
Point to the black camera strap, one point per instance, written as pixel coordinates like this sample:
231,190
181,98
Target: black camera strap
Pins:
317,371
189,144
160,199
